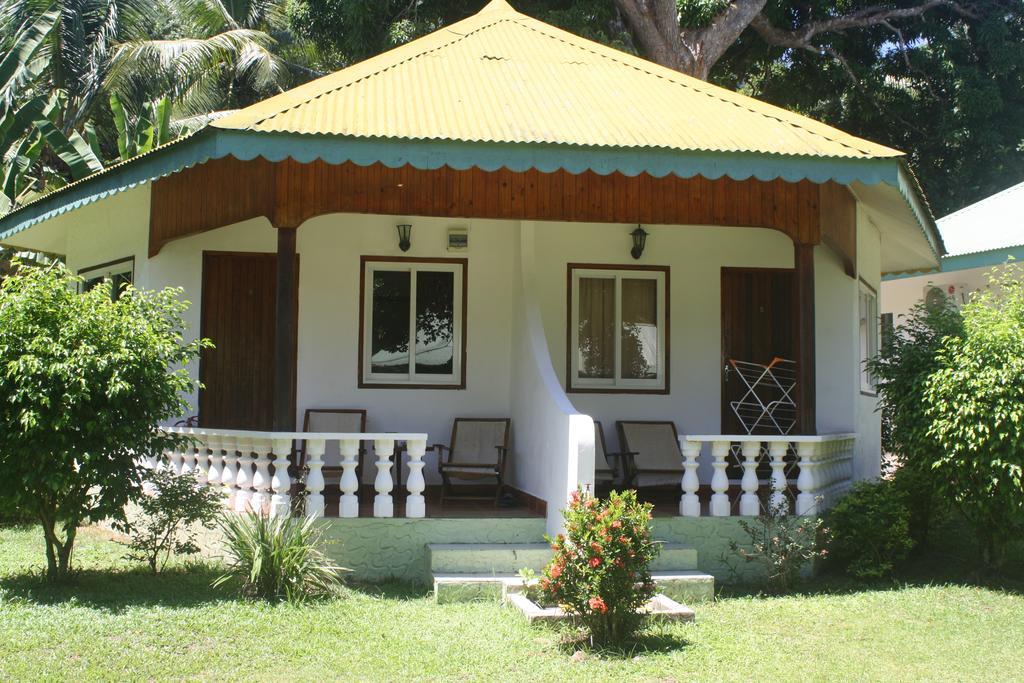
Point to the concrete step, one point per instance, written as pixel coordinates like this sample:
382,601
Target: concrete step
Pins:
487,558
509,558
685,587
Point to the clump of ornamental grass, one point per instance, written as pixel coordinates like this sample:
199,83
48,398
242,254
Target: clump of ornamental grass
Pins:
277,558
600,571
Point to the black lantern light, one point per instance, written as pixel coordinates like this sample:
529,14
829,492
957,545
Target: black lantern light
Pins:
639,242
404,236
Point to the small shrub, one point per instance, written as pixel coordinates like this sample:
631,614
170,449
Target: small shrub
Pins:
871,530
783,544
277,558
169,517
600,568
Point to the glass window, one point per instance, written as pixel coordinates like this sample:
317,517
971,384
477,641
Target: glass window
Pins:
412,322
618,329
868,336
118,274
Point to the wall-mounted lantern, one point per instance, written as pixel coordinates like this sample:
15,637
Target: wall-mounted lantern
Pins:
639,242
404,236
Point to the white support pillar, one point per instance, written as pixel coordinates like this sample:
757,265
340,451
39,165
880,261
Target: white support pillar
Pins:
348,505
778,501
216,470
719,480
261,477
415,504
229,474
383,503
689,504
749,504
315,449
280,503
808,481
243,480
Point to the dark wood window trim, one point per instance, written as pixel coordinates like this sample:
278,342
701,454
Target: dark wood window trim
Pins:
363,261
569,388
106,266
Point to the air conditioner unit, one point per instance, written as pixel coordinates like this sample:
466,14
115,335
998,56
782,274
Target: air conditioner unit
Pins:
957,294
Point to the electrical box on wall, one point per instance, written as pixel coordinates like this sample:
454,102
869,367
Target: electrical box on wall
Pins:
458,239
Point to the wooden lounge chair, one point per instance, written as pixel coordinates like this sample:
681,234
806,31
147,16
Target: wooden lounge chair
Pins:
608,467
478,450
655,456
344,420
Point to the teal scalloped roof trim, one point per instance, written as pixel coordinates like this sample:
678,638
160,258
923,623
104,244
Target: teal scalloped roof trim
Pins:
212,143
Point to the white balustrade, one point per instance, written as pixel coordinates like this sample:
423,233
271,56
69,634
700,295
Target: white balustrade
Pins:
240,463
383,503
825,462
689,504
202,463
415,504
315,478
280,503
261,477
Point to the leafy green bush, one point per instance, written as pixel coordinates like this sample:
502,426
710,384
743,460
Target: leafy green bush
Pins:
782,544
168,518
870,529
908,358
975,404
277,557
600,568
86,377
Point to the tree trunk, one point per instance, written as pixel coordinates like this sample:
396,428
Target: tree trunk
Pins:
58,552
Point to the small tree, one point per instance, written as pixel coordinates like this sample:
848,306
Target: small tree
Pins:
84,380
600,571
169,516
783,544
908,357
975,402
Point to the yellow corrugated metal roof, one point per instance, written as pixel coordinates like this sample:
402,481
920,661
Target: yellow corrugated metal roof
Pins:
500,76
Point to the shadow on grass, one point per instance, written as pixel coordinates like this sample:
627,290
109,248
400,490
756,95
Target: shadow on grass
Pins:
117,590
652,640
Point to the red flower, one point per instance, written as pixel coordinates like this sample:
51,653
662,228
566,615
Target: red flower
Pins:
617,524
619,563
623,539
596,547
597,604
595,561
556,571
607,537
554,546
575,497
591,502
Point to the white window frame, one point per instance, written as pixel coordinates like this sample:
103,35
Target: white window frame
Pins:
869,339
617,383
107,271
413,379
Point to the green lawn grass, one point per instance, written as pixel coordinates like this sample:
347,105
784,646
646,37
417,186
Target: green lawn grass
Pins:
116,622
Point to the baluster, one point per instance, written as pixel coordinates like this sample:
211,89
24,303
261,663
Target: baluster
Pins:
229,474
415,504
280,503
315,478
188,460
176,458
149,463
261,478
243,480
202,461
719,480
383,504
749,504
348,506
778,501
216,471
689,504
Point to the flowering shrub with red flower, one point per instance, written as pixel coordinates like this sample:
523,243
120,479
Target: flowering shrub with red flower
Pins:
600,568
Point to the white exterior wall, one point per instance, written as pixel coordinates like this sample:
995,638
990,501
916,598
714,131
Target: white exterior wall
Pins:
867,461
901,295
503,343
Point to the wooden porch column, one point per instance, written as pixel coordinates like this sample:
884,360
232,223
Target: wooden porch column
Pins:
803,296
285,338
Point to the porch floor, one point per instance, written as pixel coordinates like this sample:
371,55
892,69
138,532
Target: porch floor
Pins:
453,508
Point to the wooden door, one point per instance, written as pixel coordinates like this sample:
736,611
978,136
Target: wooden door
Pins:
239,315
758,324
